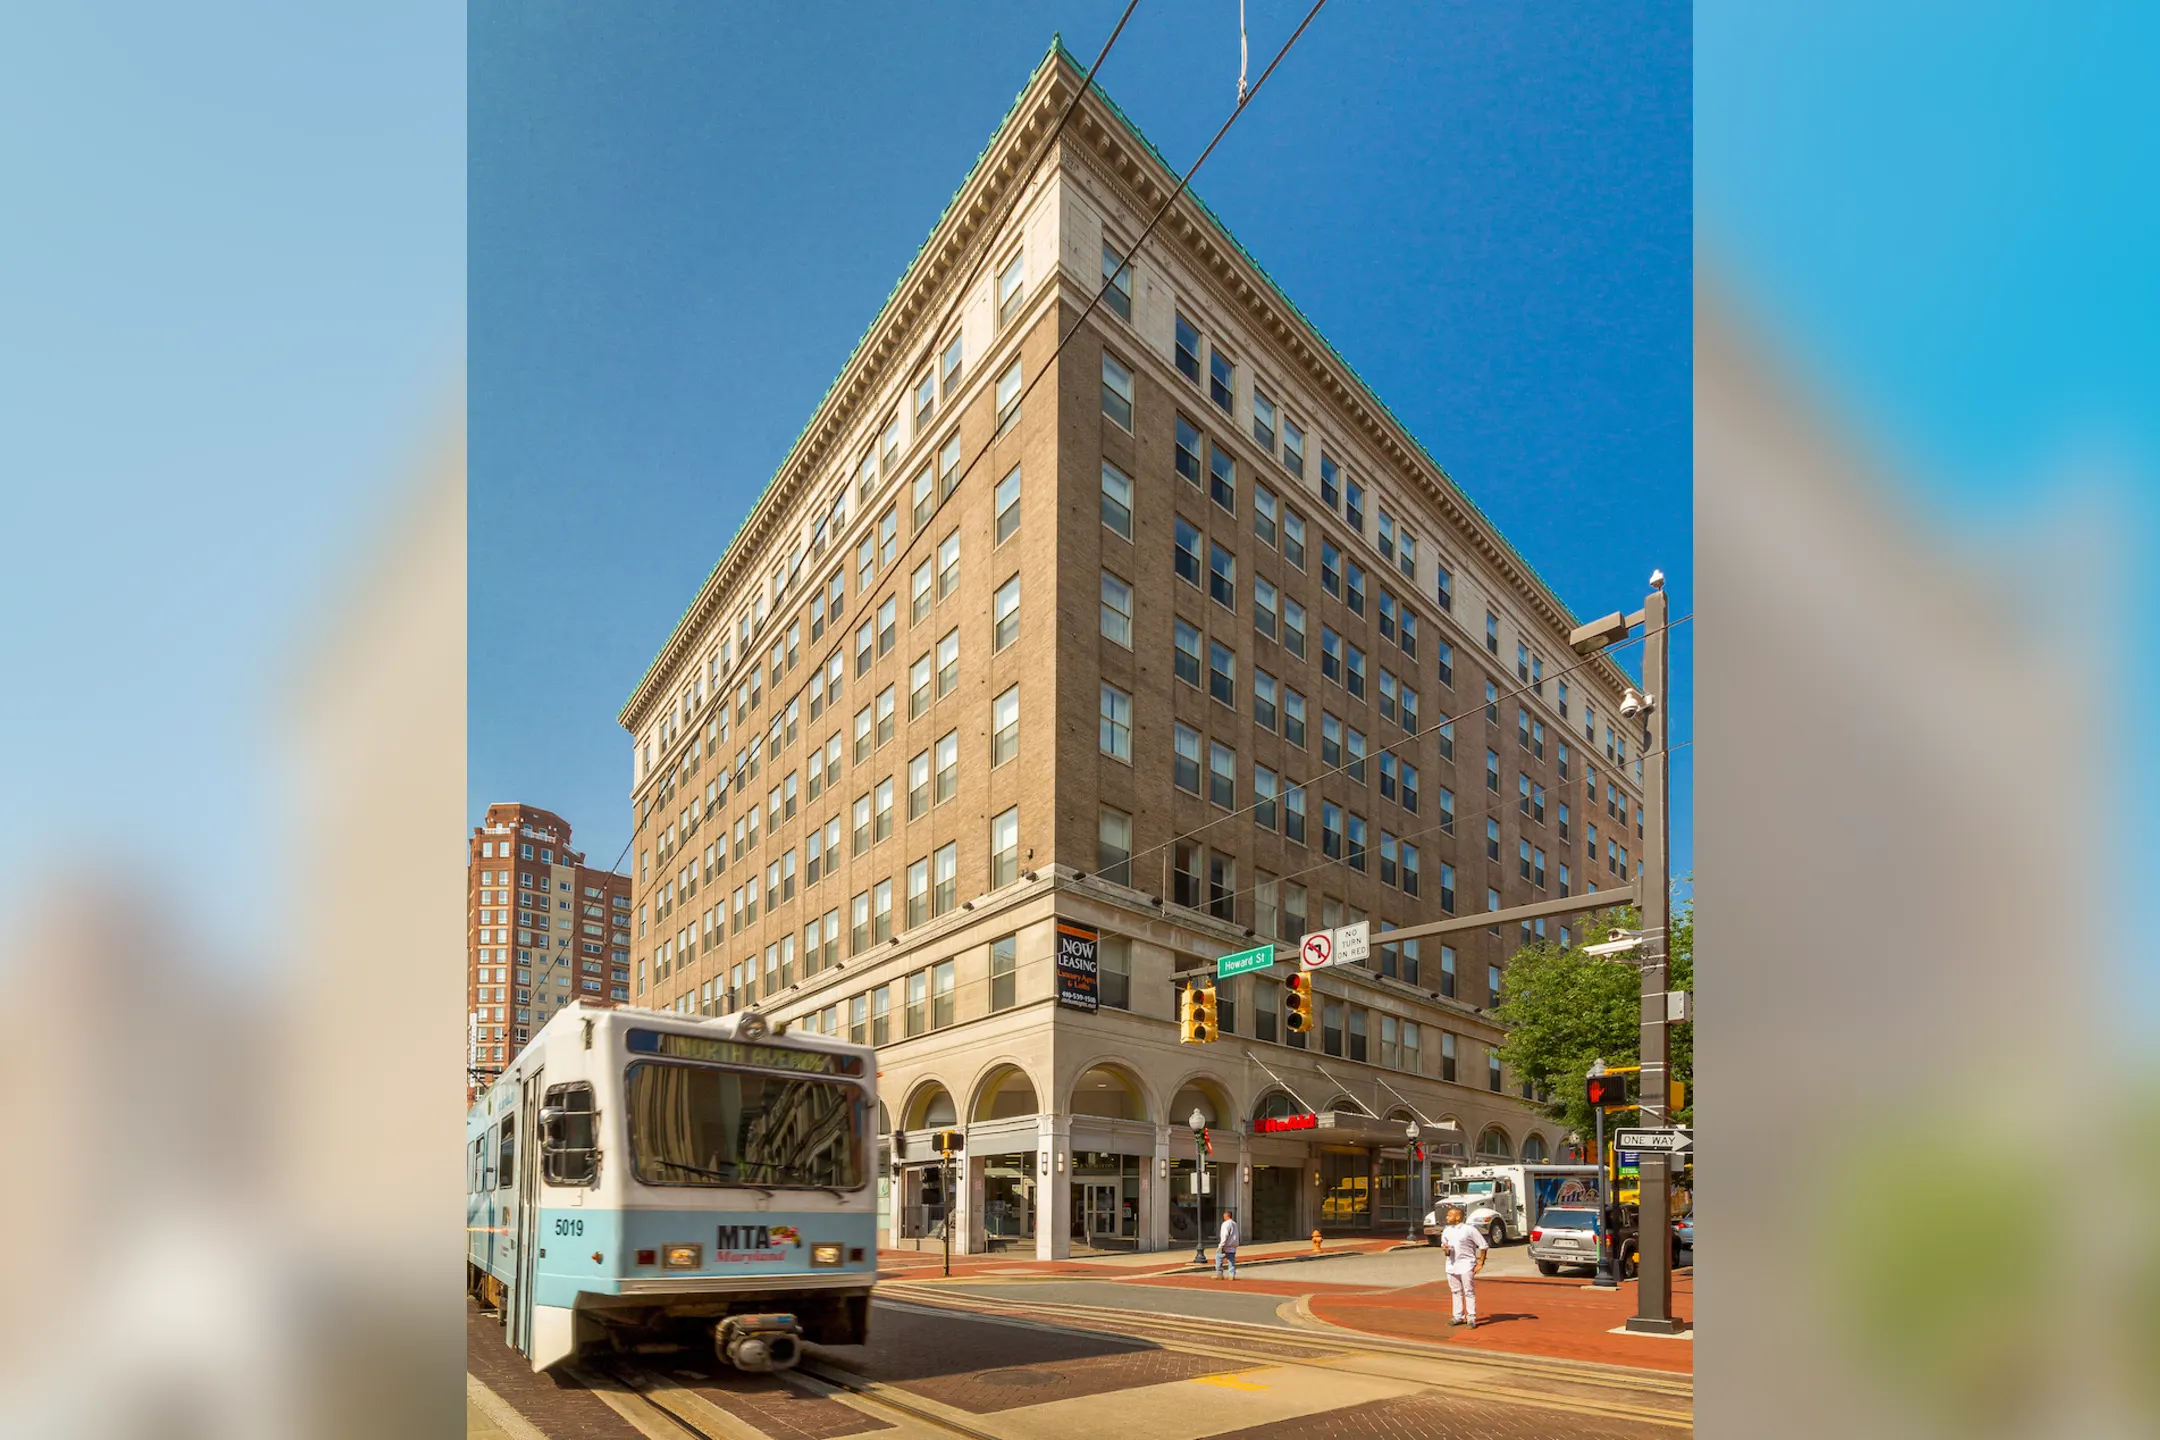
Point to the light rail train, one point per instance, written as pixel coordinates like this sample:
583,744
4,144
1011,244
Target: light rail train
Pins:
640,1180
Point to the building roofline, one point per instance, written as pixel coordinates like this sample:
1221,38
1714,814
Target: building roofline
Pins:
822,414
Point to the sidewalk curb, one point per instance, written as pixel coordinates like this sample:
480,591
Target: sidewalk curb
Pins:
1254,1264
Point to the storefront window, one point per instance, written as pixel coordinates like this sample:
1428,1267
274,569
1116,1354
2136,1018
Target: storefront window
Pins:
1009,1197
1346,1189
1391,1203
1188,1219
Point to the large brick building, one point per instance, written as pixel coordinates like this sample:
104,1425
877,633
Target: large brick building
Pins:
542,928
1190,643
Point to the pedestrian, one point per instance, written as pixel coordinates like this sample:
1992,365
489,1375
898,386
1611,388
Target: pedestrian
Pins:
1226,1245
1465,1250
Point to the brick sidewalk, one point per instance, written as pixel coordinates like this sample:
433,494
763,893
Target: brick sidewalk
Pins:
1555,1317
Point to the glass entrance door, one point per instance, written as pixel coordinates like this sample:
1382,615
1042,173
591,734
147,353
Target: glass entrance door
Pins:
1100,1209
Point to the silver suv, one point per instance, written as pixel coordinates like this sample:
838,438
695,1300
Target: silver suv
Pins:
1564,1236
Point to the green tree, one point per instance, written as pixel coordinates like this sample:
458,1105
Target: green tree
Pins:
1563,1009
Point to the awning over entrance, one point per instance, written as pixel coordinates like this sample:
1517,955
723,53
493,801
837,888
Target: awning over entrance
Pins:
1347,1127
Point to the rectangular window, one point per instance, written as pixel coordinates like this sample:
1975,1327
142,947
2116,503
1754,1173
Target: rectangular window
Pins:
1185,659
1222,577
1293,633
1008,397
1117,500
859,1020
1293,729
1006,505
1265,1007
1004,972
1113,846
1264,607
1222,478
1264,792
1354,587
1005,727
1117,283
919,593
1005,848
1005,615
948,560
1331,830
1492,771
1384,534
1331,648
1330,568
1222,886
1222,674
1293,537
1115,732
948,663
1188,450
1331,1027
1357,1032
919,685
1185,760
881,911
881,1015
925,402
918,997
1293,447
947,783
1188,350
1447,888
1222,379
1264,513
1263,699
918,786
885,715
1222,774
1263,420
1492,633
918,893
888,622
1012,287
1188,551
1353,507
1330,482
1116,392
948,467
881,828
1117,606
1113,955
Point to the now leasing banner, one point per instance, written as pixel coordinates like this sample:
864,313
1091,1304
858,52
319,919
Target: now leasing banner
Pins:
1077,977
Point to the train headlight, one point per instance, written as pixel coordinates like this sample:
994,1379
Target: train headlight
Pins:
683,1257
751,1026
825,1255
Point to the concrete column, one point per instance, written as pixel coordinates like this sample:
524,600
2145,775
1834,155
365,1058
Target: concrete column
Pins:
969,1239
1053,1207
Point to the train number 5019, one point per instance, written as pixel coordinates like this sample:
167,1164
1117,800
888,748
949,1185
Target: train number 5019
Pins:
569,1226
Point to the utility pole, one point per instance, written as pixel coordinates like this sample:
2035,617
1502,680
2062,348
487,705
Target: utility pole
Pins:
1653,1233
1653,892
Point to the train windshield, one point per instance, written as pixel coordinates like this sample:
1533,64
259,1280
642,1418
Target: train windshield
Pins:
703,1125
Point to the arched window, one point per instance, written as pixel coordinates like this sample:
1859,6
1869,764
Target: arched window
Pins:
932,1109
1494,1147
1533,1150
1010,1094
1108,1093
1275,1105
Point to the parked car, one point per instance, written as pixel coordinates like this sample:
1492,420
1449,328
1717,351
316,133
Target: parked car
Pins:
1565,1236
1683,1234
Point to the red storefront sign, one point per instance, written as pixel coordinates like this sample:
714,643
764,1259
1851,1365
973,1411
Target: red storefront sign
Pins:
1286,1122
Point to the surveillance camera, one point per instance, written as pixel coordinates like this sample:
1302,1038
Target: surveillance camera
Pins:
1657,579
1631,704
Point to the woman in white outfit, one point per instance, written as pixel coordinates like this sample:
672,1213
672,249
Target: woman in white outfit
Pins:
1465,1250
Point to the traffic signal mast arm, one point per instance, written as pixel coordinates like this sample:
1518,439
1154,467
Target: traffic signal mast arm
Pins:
1628,894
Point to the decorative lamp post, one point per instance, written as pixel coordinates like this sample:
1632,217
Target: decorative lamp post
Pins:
1416,1157
1198,1122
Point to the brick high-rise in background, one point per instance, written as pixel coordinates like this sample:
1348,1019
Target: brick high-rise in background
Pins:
543,928
1204,648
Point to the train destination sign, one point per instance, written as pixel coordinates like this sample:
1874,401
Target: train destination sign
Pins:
1260,957
737,1052
1077,982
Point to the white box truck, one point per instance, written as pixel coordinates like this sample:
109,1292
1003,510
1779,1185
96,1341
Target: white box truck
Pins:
1504,1201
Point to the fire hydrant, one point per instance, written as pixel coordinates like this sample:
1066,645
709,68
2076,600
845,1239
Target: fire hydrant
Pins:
1316,1242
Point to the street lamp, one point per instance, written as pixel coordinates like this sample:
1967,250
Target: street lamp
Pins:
1417,1211
1198,1122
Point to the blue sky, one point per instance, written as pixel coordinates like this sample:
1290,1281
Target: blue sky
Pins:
680,227
1945,214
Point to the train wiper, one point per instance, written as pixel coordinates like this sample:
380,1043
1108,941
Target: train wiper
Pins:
716,1174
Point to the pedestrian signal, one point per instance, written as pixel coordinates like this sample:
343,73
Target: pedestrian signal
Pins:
948,1142
1297,1003
1196,1015
1606,1090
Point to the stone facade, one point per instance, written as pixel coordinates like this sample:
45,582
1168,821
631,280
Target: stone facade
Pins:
861,782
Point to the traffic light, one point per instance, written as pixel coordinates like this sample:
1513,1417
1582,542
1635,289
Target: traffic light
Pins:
1605,1090
1297,1003
1196,1015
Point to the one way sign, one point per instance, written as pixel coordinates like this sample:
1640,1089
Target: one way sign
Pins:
1675,1141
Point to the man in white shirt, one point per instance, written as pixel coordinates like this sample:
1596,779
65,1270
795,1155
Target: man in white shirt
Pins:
1465,1250
1226,1246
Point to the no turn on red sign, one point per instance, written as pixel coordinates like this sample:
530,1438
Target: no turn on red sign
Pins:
1344,945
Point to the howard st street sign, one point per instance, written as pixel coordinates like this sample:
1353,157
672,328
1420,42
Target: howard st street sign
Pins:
1260,957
